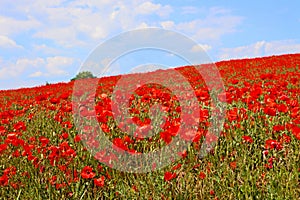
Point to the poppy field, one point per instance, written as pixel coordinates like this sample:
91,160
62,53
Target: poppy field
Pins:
43,154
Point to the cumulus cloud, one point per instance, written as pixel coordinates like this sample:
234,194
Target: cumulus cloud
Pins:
148,7
43,48
50,66
79,22
280,47
261,48
201,47
215,23
6,42
36,74
55,65
9,70
11,26
167,24
189,10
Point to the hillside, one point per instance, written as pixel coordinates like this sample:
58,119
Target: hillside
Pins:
74,140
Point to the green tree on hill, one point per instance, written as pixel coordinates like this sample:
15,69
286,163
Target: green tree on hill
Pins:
83,74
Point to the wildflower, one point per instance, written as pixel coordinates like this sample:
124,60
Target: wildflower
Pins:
232,165
3,180
176,167
87,172
166,137
169,176
247,138
296,132
99,181
202,175
20,126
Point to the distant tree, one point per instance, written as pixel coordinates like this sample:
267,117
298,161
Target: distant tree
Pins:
82,75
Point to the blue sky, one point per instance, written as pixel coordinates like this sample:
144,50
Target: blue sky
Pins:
47,41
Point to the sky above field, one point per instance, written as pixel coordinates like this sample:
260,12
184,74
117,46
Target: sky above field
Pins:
47,41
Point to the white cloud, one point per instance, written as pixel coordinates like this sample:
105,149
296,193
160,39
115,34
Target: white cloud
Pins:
6,72
6,42
167,24
63,36
189,10
142,25
261,48
55,65
36,74
50,66
106,67
201,47
80,22
9,70
280,47
11,26
148,7
47,49
216,23
24,63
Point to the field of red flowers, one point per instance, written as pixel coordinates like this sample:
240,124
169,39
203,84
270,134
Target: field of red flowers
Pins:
257,156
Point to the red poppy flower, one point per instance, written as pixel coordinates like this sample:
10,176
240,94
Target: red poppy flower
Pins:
202,175
54,100
232,165
20,126
278,128
270,111
285,138
166,136
232,114
176,167
44,141
188,135
41,97
77,138
235,81
272,144
128,140
64,135
99,181
64,96
169,176
119,143
211,138
3,180
296,132
294,112
2,130
282,108
16,154
247,138
87,172
256,92
183,154
105,128
3,147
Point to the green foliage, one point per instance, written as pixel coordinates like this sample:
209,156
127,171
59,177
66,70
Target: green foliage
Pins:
83,75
